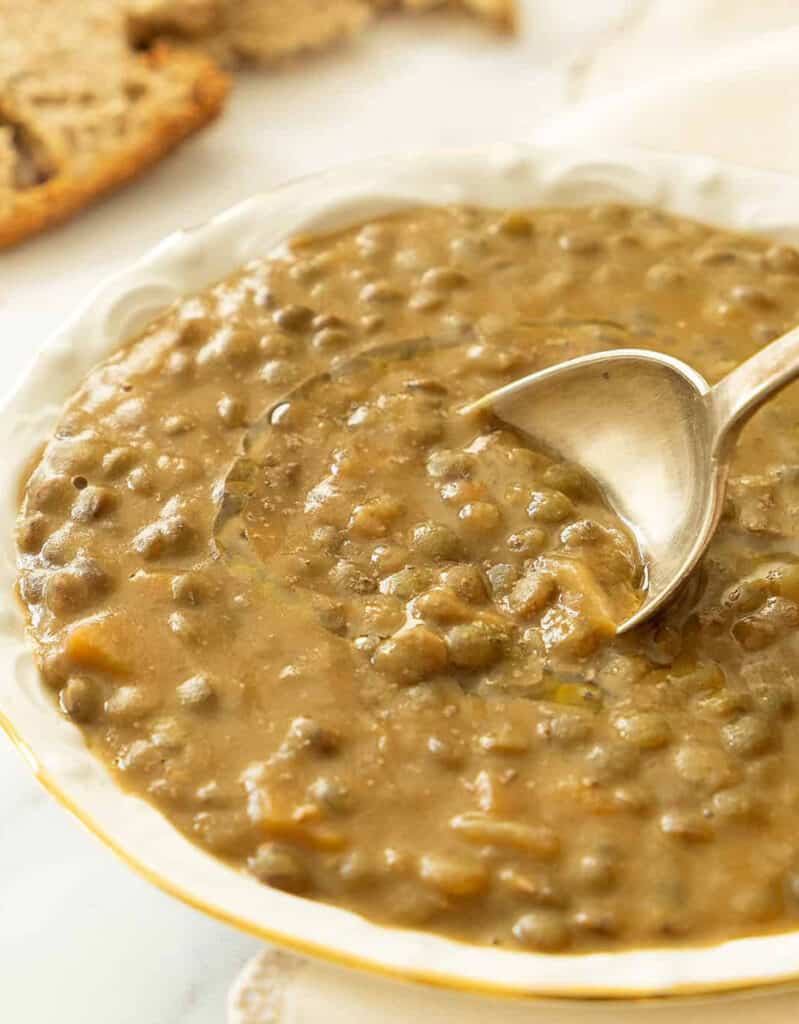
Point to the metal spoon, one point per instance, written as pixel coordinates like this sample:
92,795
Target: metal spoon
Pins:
654,435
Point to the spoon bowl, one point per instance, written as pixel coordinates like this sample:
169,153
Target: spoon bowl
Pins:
655,436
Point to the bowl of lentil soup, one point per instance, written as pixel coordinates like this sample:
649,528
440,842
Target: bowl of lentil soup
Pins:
333,664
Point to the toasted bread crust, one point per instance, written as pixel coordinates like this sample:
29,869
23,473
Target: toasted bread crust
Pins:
253,33
501,15
35,209
270,32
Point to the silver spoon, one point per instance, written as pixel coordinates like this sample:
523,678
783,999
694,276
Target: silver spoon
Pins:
654,435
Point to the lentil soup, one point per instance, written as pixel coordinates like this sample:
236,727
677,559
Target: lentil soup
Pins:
362,646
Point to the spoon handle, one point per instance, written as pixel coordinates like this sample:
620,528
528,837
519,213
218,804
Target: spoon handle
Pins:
742,392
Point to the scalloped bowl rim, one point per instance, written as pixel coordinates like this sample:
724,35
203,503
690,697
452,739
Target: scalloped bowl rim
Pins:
727,195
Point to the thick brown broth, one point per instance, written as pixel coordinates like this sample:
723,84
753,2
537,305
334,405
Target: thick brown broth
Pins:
363,646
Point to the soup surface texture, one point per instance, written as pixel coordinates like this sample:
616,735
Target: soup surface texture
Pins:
362,646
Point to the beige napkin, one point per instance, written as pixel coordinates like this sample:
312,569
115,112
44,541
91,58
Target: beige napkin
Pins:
740,105
275,988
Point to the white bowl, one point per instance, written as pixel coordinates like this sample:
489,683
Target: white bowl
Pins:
726,195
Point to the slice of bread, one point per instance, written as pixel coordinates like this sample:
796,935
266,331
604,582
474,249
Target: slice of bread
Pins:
94,91
501,14
81,111
247,32
264,32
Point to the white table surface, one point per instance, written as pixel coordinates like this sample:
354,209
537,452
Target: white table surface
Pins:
82,940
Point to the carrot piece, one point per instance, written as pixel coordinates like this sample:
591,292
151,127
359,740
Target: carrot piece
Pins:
93,645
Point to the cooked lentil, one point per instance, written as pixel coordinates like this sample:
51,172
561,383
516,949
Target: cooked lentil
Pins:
362,646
